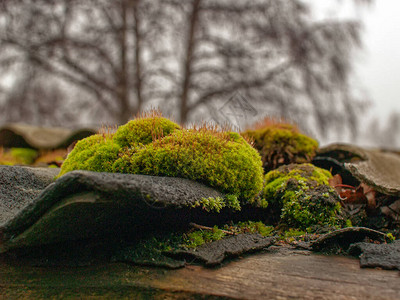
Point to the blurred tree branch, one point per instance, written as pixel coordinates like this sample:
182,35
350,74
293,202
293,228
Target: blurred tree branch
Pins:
186,55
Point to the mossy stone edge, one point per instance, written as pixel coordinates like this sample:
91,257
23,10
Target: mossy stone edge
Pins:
135,194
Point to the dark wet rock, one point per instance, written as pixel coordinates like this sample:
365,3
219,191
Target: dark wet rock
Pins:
212,254
72,254
84,204
343,152
148,252
27,136
130,256
335,167
20,186
385,256
340,240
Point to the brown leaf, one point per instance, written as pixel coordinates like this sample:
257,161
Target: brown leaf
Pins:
335,182
354,196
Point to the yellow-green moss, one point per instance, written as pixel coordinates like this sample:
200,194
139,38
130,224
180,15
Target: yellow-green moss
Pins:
144,131
197,238
292,232
156,146
302,194
94,153
221,160
25,156
218,203
390,237
250,227
200,237
17,156
280,144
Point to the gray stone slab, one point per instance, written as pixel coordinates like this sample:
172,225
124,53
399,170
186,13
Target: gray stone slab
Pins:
379,169
82,203
212,254
385,256
342,238
20,186
28,136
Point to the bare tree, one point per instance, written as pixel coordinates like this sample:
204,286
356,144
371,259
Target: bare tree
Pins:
95,45
272,52
53,108
189,55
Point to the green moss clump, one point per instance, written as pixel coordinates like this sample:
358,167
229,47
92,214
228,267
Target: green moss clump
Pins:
281,144
149,251
17,156
250,227
153,145
200,237
302,195
143,131
223,160
95,153
210,204
24,156
292,232
390,237
218,203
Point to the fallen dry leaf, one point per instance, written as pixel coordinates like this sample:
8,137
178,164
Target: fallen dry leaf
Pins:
363,194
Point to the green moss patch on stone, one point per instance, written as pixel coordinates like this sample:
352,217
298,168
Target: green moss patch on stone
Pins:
153,145
216,204
221,160
200,237
150,251
215,160
25,156
95,153
17,156
197,238
250,227
143,131
303,197
280,144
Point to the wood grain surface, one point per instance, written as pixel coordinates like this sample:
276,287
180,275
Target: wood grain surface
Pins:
290,275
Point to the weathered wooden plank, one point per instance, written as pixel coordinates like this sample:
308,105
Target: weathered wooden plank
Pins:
263,276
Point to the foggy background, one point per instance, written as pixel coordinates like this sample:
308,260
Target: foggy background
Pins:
330,66
378,69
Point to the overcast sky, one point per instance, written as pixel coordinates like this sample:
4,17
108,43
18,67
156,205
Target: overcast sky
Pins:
378,67
377,70
377,64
